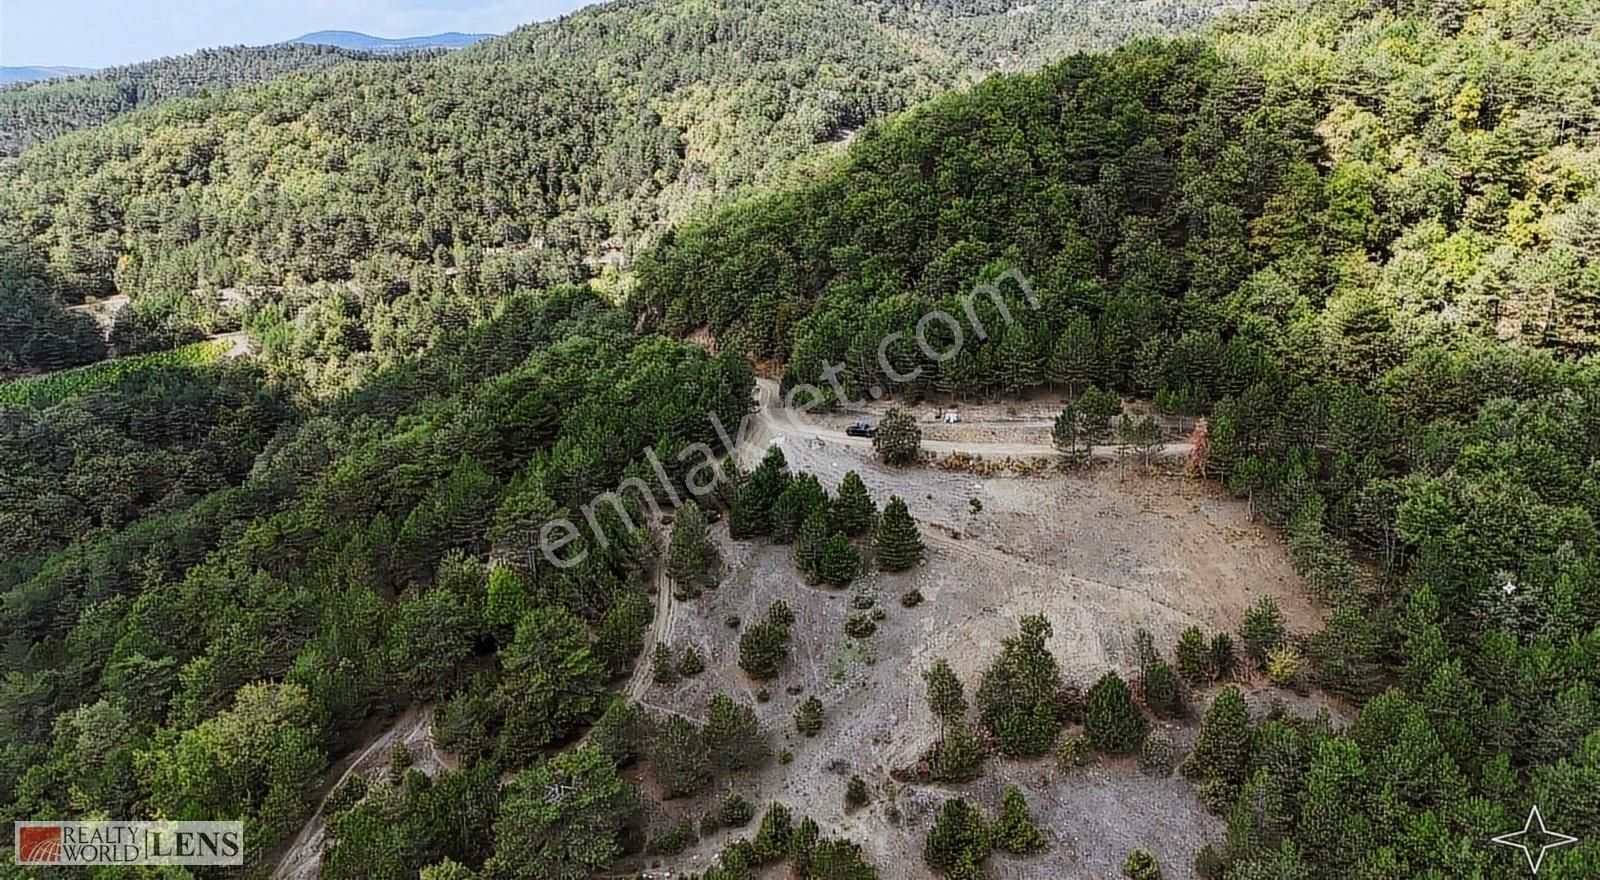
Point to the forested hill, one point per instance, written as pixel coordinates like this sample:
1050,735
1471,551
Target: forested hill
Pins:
36,112
541,156
1359,239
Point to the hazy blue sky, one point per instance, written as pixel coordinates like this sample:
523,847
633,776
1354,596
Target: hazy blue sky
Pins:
100,33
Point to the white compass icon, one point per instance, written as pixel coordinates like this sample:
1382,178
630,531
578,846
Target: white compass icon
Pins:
1522,840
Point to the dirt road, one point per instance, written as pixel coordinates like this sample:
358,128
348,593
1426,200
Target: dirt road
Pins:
777,422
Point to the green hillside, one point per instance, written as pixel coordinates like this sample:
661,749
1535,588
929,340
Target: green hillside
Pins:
440,184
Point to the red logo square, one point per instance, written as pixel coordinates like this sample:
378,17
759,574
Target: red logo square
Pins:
38,844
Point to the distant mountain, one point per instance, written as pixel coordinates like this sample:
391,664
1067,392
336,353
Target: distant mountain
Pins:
368,43
9,75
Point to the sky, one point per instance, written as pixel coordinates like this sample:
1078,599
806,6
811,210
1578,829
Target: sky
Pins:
102,33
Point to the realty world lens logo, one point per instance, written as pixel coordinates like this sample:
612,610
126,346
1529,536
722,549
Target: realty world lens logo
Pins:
129,843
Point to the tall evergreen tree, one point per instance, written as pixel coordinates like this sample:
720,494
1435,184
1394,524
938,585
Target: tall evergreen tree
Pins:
898,544
853,511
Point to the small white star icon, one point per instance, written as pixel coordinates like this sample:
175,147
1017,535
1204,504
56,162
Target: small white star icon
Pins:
1534,861
1508,587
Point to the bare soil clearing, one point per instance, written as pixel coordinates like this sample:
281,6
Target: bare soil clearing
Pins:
1099,555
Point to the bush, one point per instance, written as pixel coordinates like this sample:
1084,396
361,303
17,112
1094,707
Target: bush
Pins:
1014,830
808,717
1283,667
735,811
1141,865
691,663
1156,754
1073,751
911,598
772,840
681,837
855,793
859,624
762,649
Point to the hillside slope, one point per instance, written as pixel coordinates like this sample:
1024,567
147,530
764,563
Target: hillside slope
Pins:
38,112
544,155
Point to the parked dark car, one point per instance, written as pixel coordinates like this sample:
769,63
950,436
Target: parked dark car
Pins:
861,429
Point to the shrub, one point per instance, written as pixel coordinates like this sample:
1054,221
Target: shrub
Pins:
691,663
859,624
772,840
855,793
1155,754
808,717
1074,751
911,598
735,811
1141,865
1284,665
1014,830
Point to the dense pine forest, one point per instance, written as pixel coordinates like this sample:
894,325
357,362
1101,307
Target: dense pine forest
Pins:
1359,238
373,202
34,113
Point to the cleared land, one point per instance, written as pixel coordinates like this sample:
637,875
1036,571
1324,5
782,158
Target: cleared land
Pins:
1099,555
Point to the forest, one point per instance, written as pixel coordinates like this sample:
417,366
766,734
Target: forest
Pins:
1358,238
37,112
416,191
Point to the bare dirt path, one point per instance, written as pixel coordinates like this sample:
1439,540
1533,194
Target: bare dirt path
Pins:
302,860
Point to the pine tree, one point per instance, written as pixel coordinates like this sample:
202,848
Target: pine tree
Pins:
803,497
1014,830
853,511
690,554
1221,656
1223,749
898,544
733,737
1073,357
1017,697
1111,719
662,669
1067,435
680,758
772,839
809,544
752,508
1020,363
1097,409
958,843
839,563
1346,654
899,440
959,756
946,697
1263,631
1192,659
762,648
